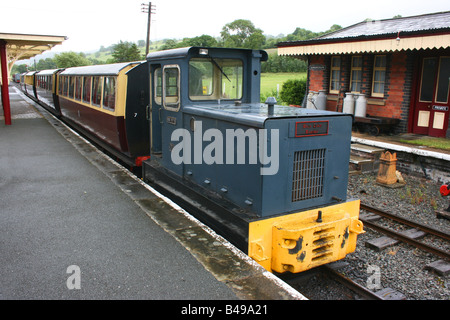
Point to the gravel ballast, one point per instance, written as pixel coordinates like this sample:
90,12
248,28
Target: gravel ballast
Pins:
401,267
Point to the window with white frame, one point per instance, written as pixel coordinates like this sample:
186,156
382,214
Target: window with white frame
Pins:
335,74
356,74
379,76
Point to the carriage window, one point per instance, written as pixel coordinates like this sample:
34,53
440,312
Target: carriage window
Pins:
109,93
78,87
65,85
60,85
71,83
214,79
87,89
171,92
96,91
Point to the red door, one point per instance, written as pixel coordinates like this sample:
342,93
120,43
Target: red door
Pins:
432,102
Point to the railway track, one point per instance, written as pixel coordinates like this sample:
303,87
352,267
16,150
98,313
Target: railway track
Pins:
340,286
442,236
327,278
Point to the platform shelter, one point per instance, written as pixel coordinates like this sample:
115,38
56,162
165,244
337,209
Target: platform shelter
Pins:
14,47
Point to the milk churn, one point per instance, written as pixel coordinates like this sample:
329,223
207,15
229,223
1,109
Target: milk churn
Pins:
321,101
310,100
360,106
349,103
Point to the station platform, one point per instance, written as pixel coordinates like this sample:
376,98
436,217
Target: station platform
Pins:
74,224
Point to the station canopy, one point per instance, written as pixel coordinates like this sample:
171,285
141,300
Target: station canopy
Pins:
25,46
15,46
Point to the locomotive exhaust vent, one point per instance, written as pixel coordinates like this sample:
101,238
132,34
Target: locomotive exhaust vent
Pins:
307,178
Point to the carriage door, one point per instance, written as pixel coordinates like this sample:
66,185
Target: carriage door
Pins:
432,102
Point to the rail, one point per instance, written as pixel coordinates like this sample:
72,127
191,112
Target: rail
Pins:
401,237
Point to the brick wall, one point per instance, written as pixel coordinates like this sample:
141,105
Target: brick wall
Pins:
397,90
317,75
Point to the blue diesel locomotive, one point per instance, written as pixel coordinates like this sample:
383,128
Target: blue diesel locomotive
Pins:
271,179
275,177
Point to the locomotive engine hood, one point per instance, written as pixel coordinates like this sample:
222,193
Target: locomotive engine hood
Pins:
255,114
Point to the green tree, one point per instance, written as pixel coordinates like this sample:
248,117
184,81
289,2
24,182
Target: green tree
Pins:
126,52
169,44
71,59
301,34
45,64
333,28
277,63
201,41
242,34
19,68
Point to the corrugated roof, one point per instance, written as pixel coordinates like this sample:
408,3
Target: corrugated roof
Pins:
427,22
418,32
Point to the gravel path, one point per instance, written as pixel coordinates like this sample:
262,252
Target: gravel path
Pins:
401,267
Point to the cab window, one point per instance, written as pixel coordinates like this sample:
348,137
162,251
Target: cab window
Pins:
158,86
171,87
215,79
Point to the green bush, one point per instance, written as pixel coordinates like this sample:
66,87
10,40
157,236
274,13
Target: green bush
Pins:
272,93
293,91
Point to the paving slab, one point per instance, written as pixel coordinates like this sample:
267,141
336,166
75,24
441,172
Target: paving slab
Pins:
70,216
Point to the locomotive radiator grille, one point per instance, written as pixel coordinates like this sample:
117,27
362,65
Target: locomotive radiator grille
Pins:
308,171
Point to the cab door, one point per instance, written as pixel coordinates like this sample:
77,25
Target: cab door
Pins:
165,116
432,106
170,115
155,116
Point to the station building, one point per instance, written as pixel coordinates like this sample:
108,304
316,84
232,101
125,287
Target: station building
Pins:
401,66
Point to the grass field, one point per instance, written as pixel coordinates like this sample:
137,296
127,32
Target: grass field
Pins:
270,81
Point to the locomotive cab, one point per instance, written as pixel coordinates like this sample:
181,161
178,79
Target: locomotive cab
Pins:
276,176
196,77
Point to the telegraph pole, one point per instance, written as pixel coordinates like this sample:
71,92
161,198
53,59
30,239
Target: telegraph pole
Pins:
148,8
